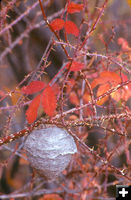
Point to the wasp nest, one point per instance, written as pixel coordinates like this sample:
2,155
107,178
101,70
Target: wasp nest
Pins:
49,150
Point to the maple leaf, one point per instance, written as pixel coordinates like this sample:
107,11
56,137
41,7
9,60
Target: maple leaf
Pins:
31,113
73,7
57,24
71,28
33,87
49,101
75,66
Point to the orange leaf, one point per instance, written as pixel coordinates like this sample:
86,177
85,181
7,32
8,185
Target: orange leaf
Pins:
86,97
71,28
106,77
75,66
129,2
73,7
33,87
51,197
110,76
57,24
31,113
14,96
95,82
49,101
101,90
73,98
106,81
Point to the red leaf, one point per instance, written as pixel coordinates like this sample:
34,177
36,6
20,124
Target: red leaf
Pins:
31,113
75,66
73,7
124,44
57,24
71,28
33,87
49,101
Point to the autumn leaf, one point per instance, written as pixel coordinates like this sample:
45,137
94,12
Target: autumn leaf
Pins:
51,197
73,7
75,66
105,77
74,98
101,90
15,96
124,44
49,101
71,28
33,87
106,81
129,2
57,24
31,113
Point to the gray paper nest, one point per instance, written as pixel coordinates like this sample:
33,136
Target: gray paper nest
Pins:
49,150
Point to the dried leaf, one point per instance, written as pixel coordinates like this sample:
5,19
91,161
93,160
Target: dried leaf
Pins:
49,101
75,66
31,113
57,24
73,7
33,87
71,28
